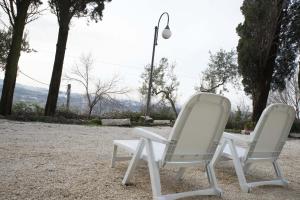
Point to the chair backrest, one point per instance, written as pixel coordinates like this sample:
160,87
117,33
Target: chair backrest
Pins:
271,132
198,129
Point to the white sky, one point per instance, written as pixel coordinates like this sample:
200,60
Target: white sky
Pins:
122,42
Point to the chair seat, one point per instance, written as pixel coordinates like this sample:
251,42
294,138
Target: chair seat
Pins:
131,146
240,151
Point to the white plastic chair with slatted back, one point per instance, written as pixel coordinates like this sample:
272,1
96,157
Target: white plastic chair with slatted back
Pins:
264,144
193,141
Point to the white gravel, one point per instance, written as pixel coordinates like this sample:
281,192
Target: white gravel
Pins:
53,161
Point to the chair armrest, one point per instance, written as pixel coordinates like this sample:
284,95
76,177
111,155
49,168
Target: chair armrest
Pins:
237,137
150,135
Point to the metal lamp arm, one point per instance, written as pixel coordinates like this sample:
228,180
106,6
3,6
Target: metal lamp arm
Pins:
165,13
157,27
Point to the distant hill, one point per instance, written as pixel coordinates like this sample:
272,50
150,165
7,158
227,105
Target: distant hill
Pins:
38,95
32,94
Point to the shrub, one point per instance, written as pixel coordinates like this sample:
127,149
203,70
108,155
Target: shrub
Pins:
162,116
95,121
233,130
133,116
234,124
27,108
162,113
249,125
296,126
237,120
24,111
63,112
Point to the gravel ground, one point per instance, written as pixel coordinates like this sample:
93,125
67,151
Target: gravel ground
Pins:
53,161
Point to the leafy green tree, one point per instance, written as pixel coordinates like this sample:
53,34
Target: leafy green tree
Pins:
65,10
222,69
5,42
19,13
292,32
164,83
266,52
289,46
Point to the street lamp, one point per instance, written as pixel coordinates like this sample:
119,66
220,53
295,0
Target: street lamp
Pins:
166,34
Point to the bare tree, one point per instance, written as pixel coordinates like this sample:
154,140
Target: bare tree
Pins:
290,95
81,73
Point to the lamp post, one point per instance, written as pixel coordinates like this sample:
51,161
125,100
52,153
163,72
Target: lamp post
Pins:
166,34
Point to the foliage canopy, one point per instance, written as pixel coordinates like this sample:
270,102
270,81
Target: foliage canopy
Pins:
164,82
65,10
222,69
5,42
268,47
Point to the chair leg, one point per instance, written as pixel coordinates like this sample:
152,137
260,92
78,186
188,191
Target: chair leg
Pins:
180,173
246,168
114,154
154,171
238,168
278,181
209,176
277,169
279,173
218,153
134,161
212,178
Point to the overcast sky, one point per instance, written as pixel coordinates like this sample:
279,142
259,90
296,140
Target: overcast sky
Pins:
122,42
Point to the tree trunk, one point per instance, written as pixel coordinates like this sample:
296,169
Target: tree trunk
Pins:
11,67
90,112
57,69
262,90
260,102
173,107
170,100
299,76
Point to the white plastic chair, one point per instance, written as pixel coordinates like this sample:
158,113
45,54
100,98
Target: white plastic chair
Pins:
193,140
264,144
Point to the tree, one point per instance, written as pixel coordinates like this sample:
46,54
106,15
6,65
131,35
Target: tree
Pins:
5,42
222,69
290,95
19,14
164,83
292,33
65,11
289,46
265,55
82,74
